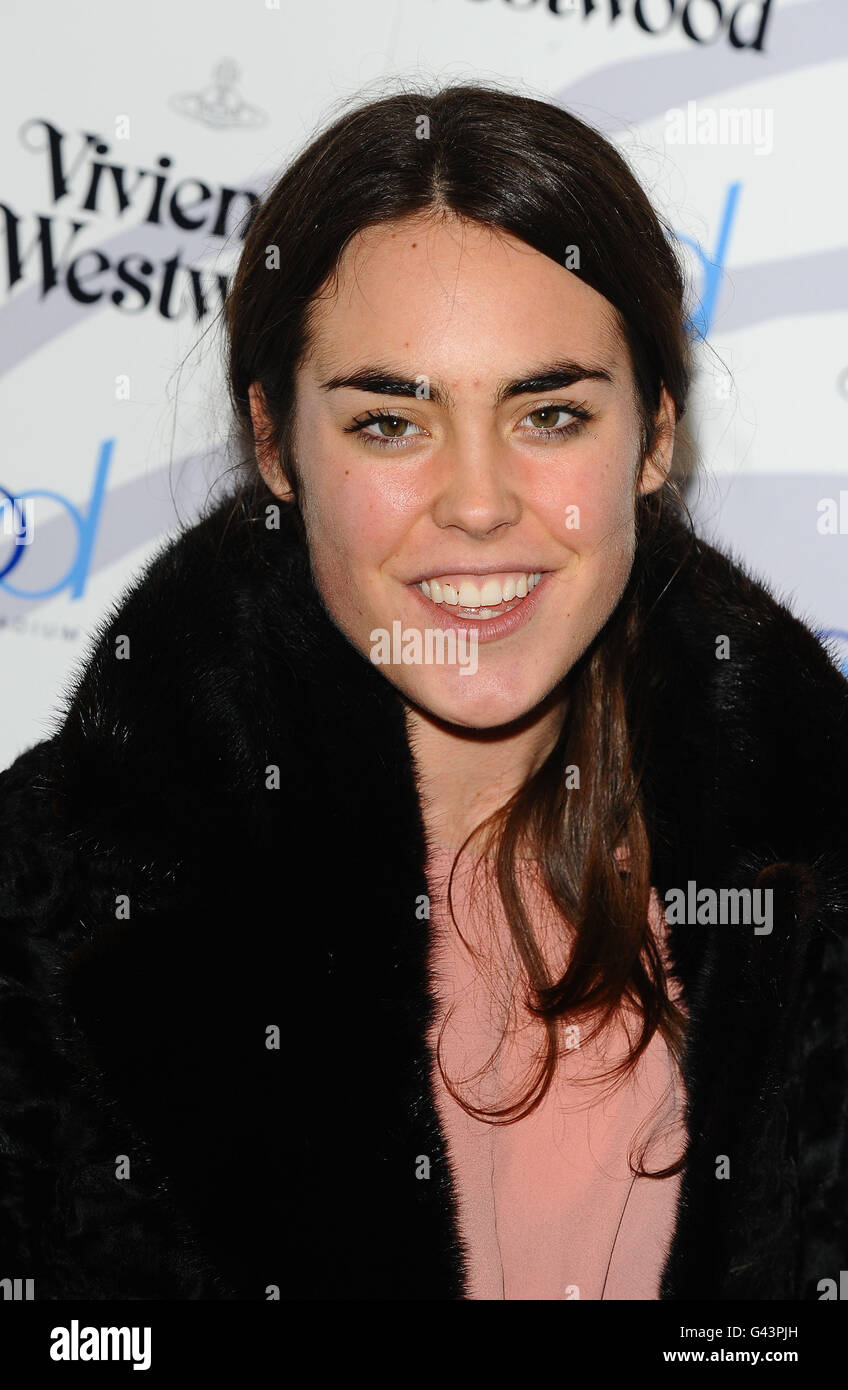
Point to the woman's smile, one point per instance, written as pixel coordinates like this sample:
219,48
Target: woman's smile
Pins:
504,602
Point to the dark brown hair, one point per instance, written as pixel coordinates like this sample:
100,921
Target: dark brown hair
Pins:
533,170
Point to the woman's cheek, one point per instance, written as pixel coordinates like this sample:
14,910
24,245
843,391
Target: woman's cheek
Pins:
343,566
596,512
354,509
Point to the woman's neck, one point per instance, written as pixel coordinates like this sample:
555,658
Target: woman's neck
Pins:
466,774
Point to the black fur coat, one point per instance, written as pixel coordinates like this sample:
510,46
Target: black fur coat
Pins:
165,907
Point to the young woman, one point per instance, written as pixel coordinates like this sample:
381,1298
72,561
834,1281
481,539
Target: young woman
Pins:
436,886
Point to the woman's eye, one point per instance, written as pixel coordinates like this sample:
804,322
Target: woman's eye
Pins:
383,429
393,426
545,417
543,422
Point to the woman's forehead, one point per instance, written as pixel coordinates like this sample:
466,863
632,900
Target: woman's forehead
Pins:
436,313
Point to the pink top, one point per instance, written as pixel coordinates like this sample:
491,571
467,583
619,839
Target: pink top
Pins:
547,1206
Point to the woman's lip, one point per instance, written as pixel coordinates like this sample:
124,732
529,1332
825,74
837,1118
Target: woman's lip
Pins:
487,629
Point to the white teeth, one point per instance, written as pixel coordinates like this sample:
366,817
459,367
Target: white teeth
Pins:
483,597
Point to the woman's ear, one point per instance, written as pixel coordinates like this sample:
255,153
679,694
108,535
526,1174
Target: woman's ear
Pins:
269,463
657,462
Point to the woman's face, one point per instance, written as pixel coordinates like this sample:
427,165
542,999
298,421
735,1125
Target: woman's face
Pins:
510,449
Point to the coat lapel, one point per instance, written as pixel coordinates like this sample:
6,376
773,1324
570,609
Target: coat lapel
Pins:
746,787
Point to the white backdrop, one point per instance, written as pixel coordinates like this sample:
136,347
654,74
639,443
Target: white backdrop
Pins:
131,136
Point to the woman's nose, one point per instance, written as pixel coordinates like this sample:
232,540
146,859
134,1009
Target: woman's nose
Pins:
476,491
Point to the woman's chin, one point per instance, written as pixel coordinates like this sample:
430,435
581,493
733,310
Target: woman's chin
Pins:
470,701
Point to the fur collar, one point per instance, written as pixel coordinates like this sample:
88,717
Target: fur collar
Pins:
167,907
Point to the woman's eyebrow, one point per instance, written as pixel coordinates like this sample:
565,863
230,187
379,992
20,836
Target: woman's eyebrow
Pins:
382,380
